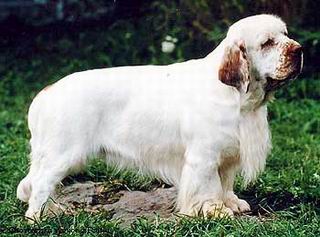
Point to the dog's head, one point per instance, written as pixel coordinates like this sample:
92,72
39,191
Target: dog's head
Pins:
258,48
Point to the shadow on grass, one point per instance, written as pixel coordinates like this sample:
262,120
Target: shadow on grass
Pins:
271,202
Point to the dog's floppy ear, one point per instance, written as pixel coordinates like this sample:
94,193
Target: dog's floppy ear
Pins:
234,68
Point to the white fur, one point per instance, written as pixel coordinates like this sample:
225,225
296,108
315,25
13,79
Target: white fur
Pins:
178,121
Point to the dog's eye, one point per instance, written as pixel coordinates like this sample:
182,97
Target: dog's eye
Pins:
268,43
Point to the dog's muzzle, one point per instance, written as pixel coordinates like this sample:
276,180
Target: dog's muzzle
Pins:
295,57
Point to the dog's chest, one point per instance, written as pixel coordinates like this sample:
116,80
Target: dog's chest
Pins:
231,146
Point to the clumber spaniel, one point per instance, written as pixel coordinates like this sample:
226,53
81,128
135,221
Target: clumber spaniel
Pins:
195,124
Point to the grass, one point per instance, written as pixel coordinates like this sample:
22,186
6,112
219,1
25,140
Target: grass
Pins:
285,199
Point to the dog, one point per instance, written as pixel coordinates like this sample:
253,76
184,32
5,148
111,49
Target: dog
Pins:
195,124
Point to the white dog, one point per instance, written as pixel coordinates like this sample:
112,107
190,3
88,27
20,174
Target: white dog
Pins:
195,124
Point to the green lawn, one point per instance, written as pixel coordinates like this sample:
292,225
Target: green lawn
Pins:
285,199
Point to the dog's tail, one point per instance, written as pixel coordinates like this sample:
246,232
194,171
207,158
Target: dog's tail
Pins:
24,189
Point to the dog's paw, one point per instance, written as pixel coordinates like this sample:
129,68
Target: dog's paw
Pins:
216,209
236,204
50,209
33,216
209,209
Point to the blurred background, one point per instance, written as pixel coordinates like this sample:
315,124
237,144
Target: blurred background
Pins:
44,40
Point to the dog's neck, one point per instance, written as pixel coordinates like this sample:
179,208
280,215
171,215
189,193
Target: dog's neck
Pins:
251,98
255,96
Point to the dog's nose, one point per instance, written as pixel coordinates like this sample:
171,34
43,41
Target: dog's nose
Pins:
296,49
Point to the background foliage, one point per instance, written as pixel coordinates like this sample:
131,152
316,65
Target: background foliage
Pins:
199,25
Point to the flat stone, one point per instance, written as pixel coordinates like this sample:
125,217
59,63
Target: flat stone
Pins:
122,204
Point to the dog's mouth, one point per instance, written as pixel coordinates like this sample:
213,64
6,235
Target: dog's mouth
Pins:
274,84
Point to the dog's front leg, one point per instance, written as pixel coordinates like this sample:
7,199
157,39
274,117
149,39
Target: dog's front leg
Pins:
227,174
200,189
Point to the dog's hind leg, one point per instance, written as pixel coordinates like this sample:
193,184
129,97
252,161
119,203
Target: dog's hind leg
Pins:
52,169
